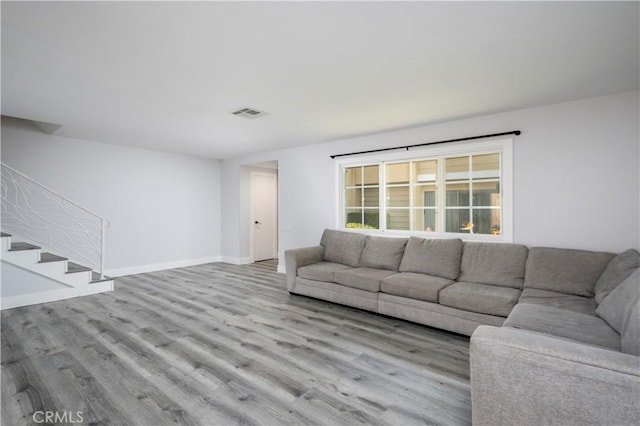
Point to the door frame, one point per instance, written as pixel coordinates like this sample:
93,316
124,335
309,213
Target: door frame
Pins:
274,206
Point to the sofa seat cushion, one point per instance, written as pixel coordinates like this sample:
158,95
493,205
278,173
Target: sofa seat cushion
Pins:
440,258
362,278
321,271
493,263
565,270
415,286
434,314
586,305
617,271
337,293
383,252
481,298
342,247
564,323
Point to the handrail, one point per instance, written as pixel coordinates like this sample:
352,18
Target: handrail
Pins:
51,190
42,216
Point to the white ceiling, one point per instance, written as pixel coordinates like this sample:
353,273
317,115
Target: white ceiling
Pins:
167,75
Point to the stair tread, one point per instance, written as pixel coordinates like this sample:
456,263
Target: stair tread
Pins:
4,234
95,278
74,267
50,257
23,246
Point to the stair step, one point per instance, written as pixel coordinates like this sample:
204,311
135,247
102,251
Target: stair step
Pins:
74,267
95,278
50,257
23,246
2,234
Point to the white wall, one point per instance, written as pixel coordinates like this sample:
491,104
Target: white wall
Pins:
576,176
164,208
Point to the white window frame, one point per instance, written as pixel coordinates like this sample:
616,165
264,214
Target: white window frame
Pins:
502,145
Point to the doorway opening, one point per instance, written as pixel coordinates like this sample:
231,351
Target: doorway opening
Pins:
264,212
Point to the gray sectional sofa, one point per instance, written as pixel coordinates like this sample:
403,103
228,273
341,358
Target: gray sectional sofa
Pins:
555,333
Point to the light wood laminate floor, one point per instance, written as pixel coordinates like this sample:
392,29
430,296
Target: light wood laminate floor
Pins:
220,344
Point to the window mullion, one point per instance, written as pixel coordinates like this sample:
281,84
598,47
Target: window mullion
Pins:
411,166
440,195
471,231
362,196
382,196
501,212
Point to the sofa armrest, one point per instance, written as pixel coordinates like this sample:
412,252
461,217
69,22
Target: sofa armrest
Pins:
527,378
296,258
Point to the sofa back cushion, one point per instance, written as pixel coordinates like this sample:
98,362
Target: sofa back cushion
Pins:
617,271
383,252
493,263
565,270
617,309
440,258
630,341
342,247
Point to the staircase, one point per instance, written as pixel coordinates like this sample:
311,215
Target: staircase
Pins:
32,273
46,277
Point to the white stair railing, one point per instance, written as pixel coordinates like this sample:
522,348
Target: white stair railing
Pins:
41,216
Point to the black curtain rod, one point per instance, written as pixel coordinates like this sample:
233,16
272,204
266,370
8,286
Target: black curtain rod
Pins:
513,132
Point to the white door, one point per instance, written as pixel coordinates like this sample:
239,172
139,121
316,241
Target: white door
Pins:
265,215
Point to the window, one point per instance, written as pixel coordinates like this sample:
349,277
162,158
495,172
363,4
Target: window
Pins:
472,194
411,195
436,192
362,197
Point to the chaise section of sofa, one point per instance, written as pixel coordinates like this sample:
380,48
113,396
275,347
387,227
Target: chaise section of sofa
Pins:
522,377
569,352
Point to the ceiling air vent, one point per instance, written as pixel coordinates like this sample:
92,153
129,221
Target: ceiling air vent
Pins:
249,113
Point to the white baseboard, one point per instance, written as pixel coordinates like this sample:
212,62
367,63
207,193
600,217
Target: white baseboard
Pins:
132,270
282,268
237,260
54,295
153,267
